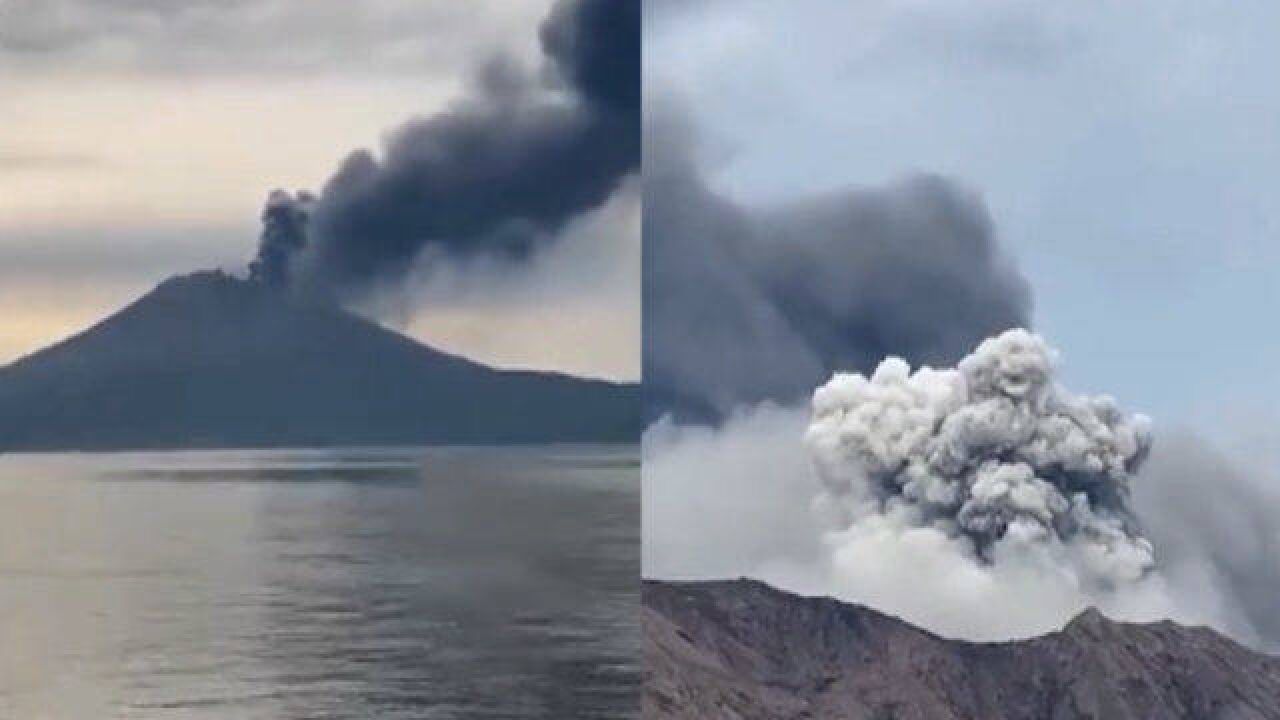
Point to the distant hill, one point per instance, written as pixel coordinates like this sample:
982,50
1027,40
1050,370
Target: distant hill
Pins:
744,650
210,360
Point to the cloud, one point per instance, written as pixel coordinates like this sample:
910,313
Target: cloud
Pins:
744,304
993,452
891,34
729,501
1215,519
111,254
574,305
43,161
258,36
746,499
500,172
1125,148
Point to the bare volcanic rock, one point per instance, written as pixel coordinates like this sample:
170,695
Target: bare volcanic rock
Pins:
743,650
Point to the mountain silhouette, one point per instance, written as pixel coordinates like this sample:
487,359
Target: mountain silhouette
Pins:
210,360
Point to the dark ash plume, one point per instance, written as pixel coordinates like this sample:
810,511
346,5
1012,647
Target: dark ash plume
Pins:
501,172
744,305
284,232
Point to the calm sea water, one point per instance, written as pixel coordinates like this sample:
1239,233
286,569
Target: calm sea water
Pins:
391,583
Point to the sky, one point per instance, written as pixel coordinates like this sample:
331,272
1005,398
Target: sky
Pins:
1127,154
141,138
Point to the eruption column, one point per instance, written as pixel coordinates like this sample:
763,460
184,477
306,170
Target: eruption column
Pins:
992,451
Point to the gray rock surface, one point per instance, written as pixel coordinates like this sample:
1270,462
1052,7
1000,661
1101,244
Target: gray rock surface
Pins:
744,650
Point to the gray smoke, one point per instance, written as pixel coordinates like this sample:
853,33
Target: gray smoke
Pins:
284,232
1214,518
501,172
992,451
744,305
981,501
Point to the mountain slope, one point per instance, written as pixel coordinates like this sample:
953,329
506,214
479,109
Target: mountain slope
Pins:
209,360
744,650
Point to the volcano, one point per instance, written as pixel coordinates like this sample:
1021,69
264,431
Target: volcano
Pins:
209,360
744,650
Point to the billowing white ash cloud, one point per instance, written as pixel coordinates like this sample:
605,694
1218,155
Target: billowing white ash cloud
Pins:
991,452
981,501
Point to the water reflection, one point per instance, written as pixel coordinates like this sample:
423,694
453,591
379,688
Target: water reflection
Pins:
449,583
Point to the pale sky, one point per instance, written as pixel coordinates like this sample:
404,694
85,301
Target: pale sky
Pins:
141,138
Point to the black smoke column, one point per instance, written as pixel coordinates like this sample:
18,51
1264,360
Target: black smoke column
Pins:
284,232
500,172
